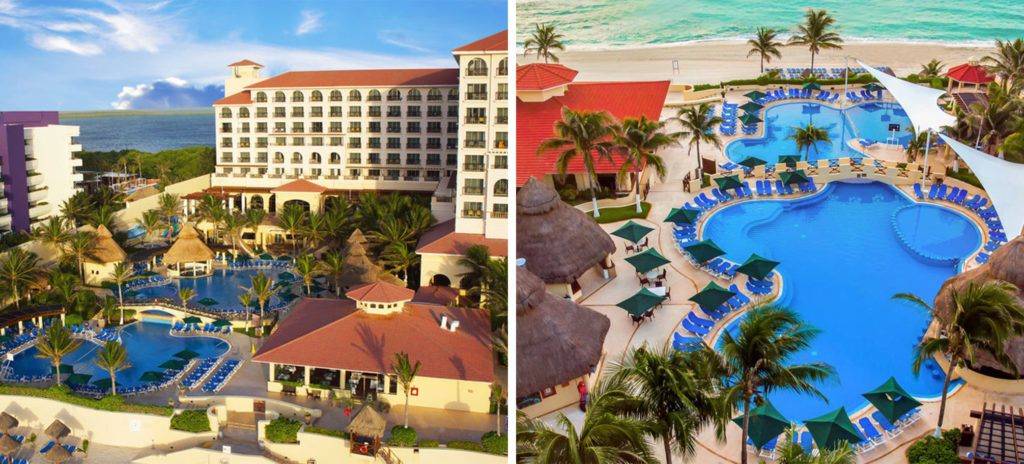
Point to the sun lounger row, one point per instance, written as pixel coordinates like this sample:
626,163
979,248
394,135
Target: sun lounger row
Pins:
221,377
700,326
139,283
200,373
261,264
208,328
759,287
864,95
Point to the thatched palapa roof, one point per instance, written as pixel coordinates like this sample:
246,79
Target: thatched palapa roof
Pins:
188,248
356,237
368,423
8,445
58,430
360,269
143,192
57,454
558,339
558,241
7,422
107,250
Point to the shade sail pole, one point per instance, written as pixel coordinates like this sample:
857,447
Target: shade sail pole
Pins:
846,82
927,147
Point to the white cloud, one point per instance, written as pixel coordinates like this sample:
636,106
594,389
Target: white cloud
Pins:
401,39
58,43
310,22
70,27
129,29
7,7
171,92
176,82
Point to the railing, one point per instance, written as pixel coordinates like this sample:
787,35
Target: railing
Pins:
476,120
499,214
475,144
474,167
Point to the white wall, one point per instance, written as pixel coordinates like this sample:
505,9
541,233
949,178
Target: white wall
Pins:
52,148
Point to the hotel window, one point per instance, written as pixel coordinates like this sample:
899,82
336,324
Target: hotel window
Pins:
433,159
243,142
434,95
374,127
394,142
354,173
394,111
279,171
374,142
225,142
412,142
414,111
472,209
500,211
336,141
355,111
279,112
373,112
228,170
298,128
413,95
245,171
355,158
474,163
394,95
500,162
394,127
412,174
316,96
261,157
393,174
413,127
453,143
501,140
373,96
476,67
225,112
501,188
336,127
261,112
354,95
297,112
261,97
279,127
226,157
297,172
374,158
373,173
453,111
316,171
296,157
433,175
298,141
261,171
476,139
412,158
476,115
296,96
244,157
433,127
335,158
279,96
261,127
502,116
316,141
316,111
318,127
245,127
433,111
355,142
453,94
473,187
243,112
503,67
335,96
225,127
280,141
315,158
453,127
394,158
451,159
502,93
278,157
336,111
392,384
353,126
434,143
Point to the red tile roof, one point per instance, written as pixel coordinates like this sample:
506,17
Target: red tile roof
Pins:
543,76
536,120
436,294
493,43
358,78
240,98
970,73
300,186
333,334
245,63
442,239
380,292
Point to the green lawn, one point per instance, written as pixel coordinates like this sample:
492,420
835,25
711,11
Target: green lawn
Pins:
622,213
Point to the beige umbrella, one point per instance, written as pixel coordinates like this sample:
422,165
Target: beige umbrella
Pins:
8,445
58,454
7,422
58,430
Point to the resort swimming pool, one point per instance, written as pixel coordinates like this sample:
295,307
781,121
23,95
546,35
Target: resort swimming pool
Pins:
841,262
224,286
149,344
867,120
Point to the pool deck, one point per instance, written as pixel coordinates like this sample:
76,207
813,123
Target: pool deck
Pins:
684,280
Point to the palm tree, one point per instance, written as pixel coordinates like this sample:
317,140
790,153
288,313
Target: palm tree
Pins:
103,215
476,260
790,452
169,206
19,269
542,41
122,274
932,69
1008,61
400,256
756,360
334,266
699,125
292,217
605,436
254,218
56,343
53,232
807,137
336,221
581,134
995,119
211,209
982,316
765,45
666,393
815,34
494,289
76,208
109,306
641,139
406,373
82,246
497,394
185,294
150,222
113,357
262,290
391,230
307,267
916,144
65,286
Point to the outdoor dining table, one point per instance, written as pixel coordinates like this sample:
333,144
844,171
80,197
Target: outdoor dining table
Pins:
660,291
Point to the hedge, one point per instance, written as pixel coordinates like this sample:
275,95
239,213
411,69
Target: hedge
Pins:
965,176
283,430
931,450
191,420
428,444
403,436
622,213
465,445
107,403
494,443
699,87
328,432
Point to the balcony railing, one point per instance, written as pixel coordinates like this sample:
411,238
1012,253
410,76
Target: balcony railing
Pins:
473,190
499,214
476,96
501,144
475,144
472,213
476,120
473,167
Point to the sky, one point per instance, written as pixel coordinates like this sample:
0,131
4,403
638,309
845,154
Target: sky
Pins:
106,54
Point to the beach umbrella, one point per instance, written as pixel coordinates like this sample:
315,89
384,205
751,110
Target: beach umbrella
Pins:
57,454
752,162
192,320
639,303
632,231
151,376
64,369
712,296
7,422
208,301
757,267
749,119
647,261
78,379
149,274
790,160
794,177
683,216
288,295
8,445
186,354
891,400
812,85
872,87
103,384
175,364
751,107
704,251
728,182
5,338
832,428
221,322
284,258
755,94
765,423
57,430
285,276
266,256
316,288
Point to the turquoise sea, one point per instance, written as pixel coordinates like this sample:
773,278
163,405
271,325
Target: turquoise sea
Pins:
151,133
600,24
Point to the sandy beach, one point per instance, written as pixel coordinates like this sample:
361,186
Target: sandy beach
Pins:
715,61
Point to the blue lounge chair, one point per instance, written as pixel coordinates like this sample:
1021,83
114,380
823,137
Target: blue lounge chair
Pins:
933,191
719,195
972,201
941,193
696,320
953,193
689,326
981,203
46,448
759,188
960,197
739,295
870,431
807,442
891,430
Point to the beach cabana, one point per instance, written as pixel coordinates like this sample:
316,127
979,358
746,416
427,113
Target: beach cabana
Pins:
57,430
794,177
103,384
765,424
683,216
632,231
757,267
7,422
151,376
647,261
968,76
712,296
360,269
704,251
189,256
366,429
891,400
728,182
100,265
175,364
832,429
752,162
638,304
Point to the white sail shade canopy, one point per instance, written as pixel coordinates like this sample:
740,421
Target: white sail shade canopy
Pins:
920,102
1003,183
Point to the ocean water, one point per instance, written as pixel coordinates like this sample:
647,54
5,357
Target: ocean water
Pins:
144,133
599,24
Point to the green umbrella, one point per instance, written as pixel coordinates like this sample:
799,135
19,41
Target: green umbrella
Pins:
891,400
632,231
712,296
208,301
5,338
103,384
872,87
748,119
78,379
266,256
148,274
316,289
790,160
175,364
638,304
151,376
284,258
765,423
704,251
752,162
64,369
832,428
757,267
647,261
750,107
285,276
812,85
288,295
683,216
728,182
755,95
794,177
186,354
221,322
131,293
192,320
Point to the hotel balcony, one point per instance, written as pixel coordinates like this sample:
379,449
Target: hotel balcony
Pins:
3,204
35,179
38,195
31,164
77,177
39,210
76,162
5,222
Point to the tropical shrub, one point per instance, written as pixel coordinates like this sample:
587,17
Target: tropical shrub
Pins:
403,436
494,443
72,319
465,445
932,450
283,430
699,87
328,432
428,444
191,420
107,403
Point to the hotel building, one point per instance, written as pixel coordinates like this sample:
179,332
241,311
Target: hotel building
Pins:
37,167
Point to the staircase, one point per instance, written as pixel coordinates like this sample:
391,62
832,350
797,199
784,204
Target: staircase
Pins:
384,453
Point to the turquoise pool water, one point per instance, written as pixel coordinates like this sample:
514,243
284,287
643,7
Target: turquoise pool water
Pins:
224,286
842,261
867,120
149,344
